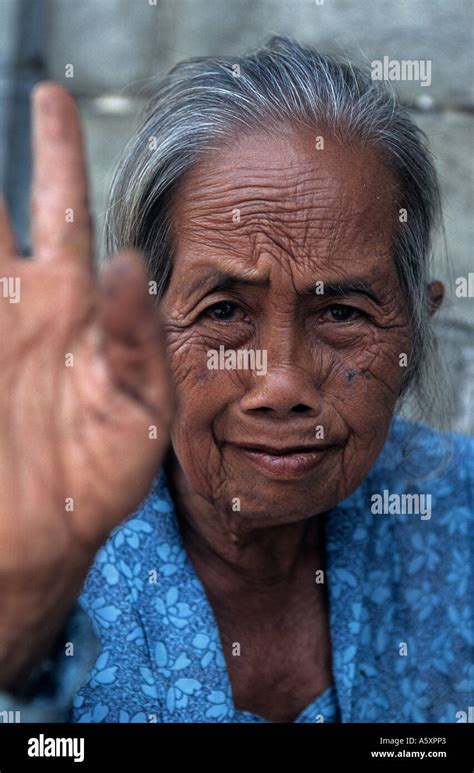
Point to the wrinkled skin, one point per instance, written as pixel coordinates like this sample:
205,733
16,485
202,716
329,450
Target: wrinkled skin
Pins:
305,216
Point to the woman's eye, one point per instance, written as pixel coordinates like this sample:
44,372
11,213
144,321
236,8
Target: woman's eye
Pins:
341,313
224,311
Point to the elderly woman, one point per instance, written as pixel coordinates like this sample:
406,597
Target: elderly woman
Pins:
298,555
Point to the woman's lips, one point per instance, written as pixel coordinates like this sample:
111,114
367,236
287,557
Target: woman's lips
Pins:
284,464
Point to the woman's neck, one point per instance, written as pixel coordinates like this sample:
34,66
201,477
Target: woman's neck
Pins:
237,553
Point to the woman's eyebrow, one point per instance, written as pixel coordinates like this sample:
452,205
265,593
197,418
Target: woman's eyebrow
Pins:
350,286
219,281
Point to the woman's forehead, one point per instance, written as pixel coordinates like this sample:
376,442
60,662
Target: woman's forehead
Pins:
281,195
284,182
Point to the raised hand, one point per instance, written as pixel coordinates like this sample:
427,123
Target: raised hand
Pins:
85,400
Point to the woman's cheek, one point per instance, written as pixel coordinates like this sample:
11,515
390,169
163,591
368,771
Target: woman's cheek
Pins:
202,396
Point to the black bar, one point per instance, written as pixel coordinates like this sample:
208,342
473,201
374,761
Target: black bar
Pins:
116,746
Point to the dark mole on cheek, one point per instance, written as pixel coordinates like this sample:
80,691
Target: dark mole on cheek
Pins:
351,375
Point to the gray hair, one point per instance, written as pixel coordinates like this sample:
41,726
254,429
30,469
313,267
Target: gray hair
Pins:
202,100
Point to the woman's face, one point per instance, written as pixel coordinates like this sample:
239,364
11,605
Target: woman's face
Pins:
284,251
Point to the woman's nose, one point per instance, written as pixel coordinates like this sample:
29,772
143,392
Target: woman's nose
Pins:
285,390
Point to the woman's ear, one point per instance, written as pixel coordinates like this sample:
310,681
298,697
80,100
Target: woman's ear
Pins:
435,292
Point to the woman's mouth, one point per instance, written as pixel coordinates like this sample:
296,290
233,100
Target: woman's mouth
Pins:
284,463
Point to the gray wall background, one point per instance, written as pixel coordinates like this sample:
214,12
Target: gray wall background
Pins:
116,45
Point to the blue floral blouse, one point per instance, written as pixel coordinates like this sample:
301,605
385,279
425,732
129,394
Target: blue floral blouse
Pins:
400,606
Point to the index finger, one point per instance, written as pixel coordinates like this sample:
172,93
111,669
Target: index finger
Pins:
8,246
61,224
